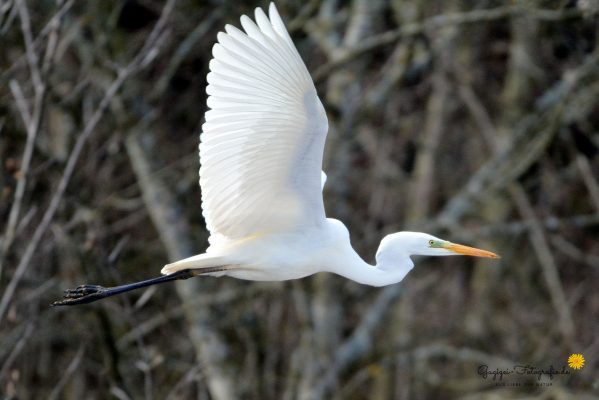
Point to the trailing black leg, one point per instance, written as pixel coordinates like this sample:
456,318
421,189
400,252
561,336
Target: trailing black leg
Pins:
90,293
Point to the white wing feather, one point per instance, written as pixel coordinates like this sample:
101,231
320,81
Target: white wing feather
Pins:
262,144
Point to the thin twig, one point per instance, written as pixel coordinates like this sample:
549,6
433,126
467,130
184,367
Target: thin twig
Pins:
183,51
32,57
462,354
66,375
191,375
549,223
589,180
17,349
22,105
571,250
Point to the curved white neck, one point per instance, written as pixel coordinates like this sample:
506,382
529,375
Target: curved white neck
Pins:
387,271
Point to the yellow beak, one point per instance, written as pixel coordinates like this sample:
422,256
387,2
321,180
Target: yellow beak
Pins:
470,251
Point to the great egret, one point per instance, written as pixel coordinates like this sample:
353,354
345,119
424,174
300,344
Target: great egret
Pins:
261,157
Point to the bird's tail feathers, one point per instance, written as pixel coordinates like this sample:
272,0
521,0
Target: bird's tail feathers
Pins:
196,262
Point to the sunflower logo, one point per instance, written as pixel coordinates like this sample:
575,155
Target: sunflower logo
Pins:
576,361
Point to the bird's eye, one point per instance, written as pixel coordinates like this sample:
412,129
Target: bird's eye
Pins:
431,242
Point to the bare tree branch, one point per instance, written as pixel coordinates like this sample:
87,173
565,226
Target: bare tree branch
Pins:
143,57
68,373
515,157
437,22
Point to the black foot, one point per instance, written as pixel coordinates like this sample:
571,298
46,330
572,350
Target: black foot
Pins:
81,294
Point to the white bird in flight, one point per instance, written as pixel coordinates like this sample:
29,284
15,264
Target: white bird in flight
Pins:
261,151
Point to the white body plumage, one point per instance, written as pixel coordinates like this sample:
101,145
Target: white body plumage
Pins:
261,176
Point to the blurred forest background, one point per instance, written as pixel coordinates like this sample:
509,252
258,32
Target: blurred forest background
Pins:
474,120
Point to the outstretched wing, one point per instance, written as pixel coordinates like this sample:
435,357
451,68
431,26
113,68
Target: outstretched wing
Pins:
262,144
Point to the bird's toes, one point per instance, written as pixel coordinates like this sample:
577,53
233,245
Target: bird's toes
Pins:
82,290
64,302
81,294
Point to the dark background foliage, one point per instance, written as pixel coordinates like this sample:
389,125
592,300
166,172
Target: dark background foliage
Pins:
476,121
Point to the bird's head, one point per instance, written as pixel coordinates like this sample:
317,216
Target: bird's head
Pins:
423,244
